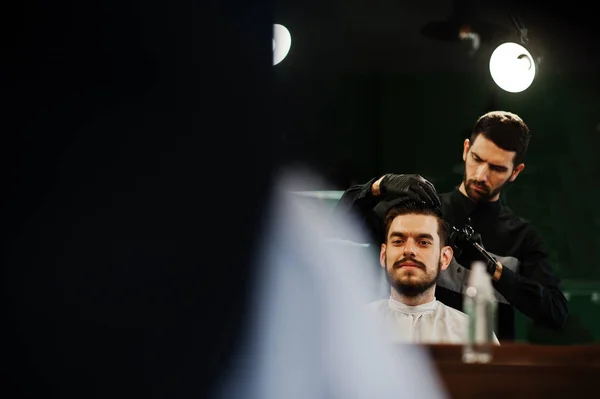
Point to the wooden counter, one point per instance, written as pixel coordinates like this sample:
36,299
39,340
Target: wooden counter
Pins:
521,371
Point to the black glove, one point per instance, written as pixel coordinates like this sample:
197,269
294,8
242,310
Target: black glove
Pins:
412,186
468,248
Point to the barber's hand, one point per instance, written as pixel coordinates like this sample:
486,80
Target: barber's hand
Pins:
412,186
468,248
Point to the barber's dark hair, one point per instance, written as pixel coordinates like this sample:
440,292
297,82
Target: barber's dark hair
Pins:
506,130
418,208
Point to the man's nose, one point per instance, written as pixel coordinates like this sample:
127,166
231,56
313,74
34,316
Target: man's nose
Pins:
482,173
410,248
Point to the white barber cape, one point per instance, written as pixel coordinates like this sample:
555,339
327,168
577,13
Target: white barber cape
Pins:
429,323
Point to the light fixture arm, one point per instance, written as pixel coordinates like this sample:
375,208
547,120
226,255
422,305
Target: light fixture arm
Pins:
521,29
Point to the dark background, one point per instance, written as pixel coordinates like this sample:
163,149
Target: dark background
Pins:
125,128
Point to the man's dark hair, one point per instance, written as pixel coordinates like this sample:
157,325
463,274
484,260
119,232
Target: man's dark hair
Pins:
413,207
506,130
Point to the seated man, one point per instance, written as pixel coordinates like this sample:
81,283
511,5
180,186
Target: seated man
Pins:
413,254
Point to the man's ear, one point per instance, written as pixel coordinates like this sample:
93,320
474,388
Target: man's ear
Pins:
382,256
446,257
516,172
466,146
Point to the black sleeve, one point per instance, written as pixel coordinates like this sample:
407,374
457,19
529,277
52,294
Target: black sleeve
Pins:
535,291
358,202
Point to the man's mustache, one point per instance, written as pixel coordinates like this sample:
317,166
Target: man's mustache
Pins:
478,184
399,263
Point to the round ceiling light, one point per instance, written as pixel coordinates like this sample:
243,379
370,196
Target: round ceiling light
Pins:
512,67
282,41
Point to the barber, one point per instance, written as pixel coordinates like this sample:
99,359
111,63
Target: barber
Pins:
484,229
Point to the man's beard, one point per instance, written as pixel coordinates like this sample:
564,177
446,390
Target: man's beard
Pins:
411,288
486,195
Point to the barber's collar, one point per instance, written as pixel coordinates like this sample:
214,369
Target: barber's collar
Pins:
469,206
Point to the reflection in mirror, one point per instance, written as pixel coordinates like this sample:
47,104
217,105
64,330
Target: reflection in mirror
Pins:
398,88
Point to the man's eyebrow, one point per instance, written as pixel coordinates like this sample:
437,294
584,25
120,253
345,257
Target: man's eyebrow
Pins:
400,234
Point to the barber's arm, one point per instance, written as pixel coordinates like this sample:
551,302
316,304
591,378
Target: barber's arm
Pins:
359,201
368,202
358,198
535,290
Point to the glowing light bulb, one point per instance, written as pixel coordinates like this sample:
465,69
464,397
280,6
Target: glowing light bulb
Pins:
282,42
512,67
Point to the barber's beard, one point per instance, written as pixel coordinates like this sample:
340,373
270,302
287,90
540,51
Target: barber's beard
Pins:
480,196
411,288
